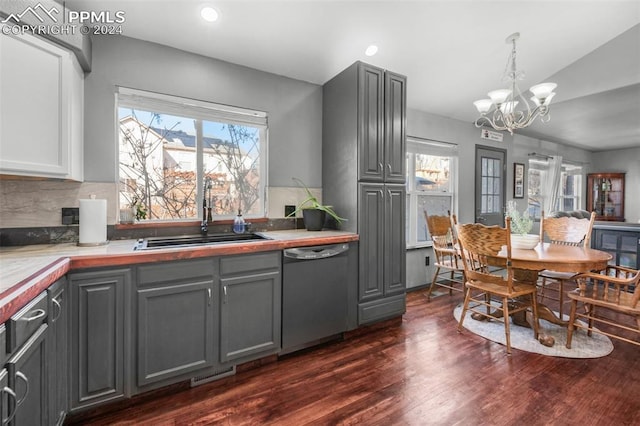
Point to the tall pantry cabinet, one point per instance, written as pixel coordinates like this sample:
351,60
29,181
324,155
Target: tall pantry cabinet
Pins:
363,177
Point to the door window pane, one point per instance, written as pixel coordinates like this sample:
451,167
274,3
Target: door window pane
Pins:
491,184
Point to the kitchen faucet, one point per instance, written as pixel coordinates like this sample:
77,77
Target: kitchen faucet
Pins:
204,228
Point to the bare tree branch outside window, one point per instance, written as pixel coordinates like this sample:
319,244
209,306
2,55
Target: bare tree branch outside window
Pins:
158,166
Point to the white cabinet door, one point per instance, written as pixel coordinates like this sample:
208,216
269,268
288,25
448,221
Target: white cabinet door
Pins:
41,98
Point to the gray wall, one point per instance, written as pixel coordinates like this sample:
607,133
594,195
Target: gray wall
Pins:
628,161
467,137
294,107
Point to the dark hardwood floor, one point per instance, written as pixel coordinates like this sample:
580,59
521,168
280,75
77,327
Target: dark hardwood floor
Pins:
417,372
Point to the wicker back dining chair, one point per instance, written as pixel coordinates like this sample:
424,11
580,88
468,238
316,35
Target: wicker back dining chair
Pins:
449,271
479,245
567,228
616,291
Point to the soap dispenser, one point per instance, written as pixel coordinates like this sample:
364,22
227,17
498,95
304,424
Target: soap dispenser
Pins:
238,223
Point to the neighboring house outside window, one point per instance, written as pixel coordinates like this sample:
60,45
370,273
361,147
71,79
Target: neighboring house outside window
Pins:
570,189
170,147
431,185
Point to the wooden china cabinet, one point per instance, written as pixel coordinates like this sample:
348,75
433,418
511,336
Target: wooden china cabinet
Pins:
605,196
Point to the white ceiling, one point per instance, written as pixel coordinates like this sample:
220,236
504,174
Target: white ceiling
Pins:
452,51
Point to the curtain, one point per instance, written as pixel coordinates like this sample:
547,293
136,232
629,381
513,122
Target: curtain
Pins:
551,186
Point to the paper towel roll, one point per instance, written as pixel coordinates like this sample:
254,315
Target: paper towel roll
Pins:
93,222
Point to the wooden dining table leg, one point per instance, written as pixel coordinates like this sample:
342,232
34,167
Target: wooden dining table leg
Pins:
544,312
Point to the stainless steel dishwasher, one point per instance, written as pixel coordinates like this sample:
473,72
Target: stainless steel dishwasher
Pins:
314,294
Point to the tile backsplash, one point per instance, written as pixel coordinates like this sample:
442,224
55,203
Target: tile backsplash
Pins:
38,203
31,210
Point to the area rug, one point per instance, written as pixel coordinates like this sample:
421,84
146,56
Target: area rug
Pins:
582,346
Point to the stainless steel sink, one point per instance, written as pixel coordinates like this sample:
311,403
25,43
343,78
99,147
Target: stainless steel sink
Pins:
193,240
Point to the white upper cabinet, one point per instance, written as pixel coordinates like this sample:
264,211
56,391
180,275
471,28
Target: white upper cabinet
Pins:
41,109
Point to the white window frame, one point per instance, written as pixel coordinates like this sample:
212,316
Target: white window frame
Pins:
568,168
416,145
201,110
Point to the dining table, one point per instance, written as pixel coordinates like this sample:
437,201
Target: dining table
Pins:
526,264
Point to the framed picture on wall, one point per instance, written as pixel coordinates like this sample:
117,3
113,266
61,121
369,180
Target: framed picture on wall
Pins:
518,180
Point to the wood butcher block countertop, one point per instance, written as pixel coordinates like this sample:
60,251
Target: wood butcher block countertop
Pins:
26,271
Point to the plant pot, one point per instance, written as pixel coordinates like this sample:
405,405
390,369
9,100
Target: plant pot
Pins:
313,219
127,215
526,241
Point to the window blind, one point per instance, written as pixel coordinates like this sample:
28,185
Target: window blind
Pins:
431,147
192,108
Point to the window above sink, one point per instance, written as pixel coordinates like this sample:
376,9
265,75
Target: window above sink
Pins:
169,146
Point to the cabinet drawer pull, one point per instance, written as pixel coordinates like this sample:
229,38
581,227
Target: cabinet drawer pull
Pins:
56,303
12,394
26,391
37,314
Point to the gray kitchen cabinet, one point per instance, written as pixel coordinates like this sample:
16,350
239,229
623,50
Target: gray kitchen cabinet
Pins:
621,241
27,369
364,125
100,316
3,344
382,268
58,321
7,397
176,320
27,343
381,124
250,306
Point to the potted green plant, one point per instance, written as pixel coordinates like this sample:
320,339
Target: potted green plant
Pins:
139,210
521,225
313,212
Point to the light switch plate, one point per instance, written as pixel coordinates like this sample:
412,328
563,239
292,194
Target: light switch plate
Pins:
288,209
70,215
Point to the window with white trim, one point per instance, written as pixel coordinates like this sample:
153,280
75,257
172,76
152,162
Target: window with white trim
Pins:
431,185
571,187
177,155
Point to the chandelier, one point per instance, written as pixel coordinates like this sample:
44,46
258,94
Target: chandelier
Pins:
507,109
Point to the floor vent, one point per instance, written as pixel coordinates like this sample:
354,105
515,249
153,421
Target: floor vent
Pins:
215,375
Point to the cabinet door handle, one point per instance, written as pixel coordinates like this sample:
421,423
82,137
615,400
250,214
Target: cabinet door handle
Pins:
381,166
389,167
56,303
224,290
209,293
37,314
26,391
12,394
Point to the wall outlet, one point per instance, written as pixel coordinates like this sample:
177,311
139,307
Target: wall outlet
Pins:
70,215
288,209
426,261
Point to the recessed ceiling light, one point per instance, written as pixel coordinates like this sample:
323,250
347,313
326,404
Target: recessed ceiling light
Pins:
209,14
371,50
